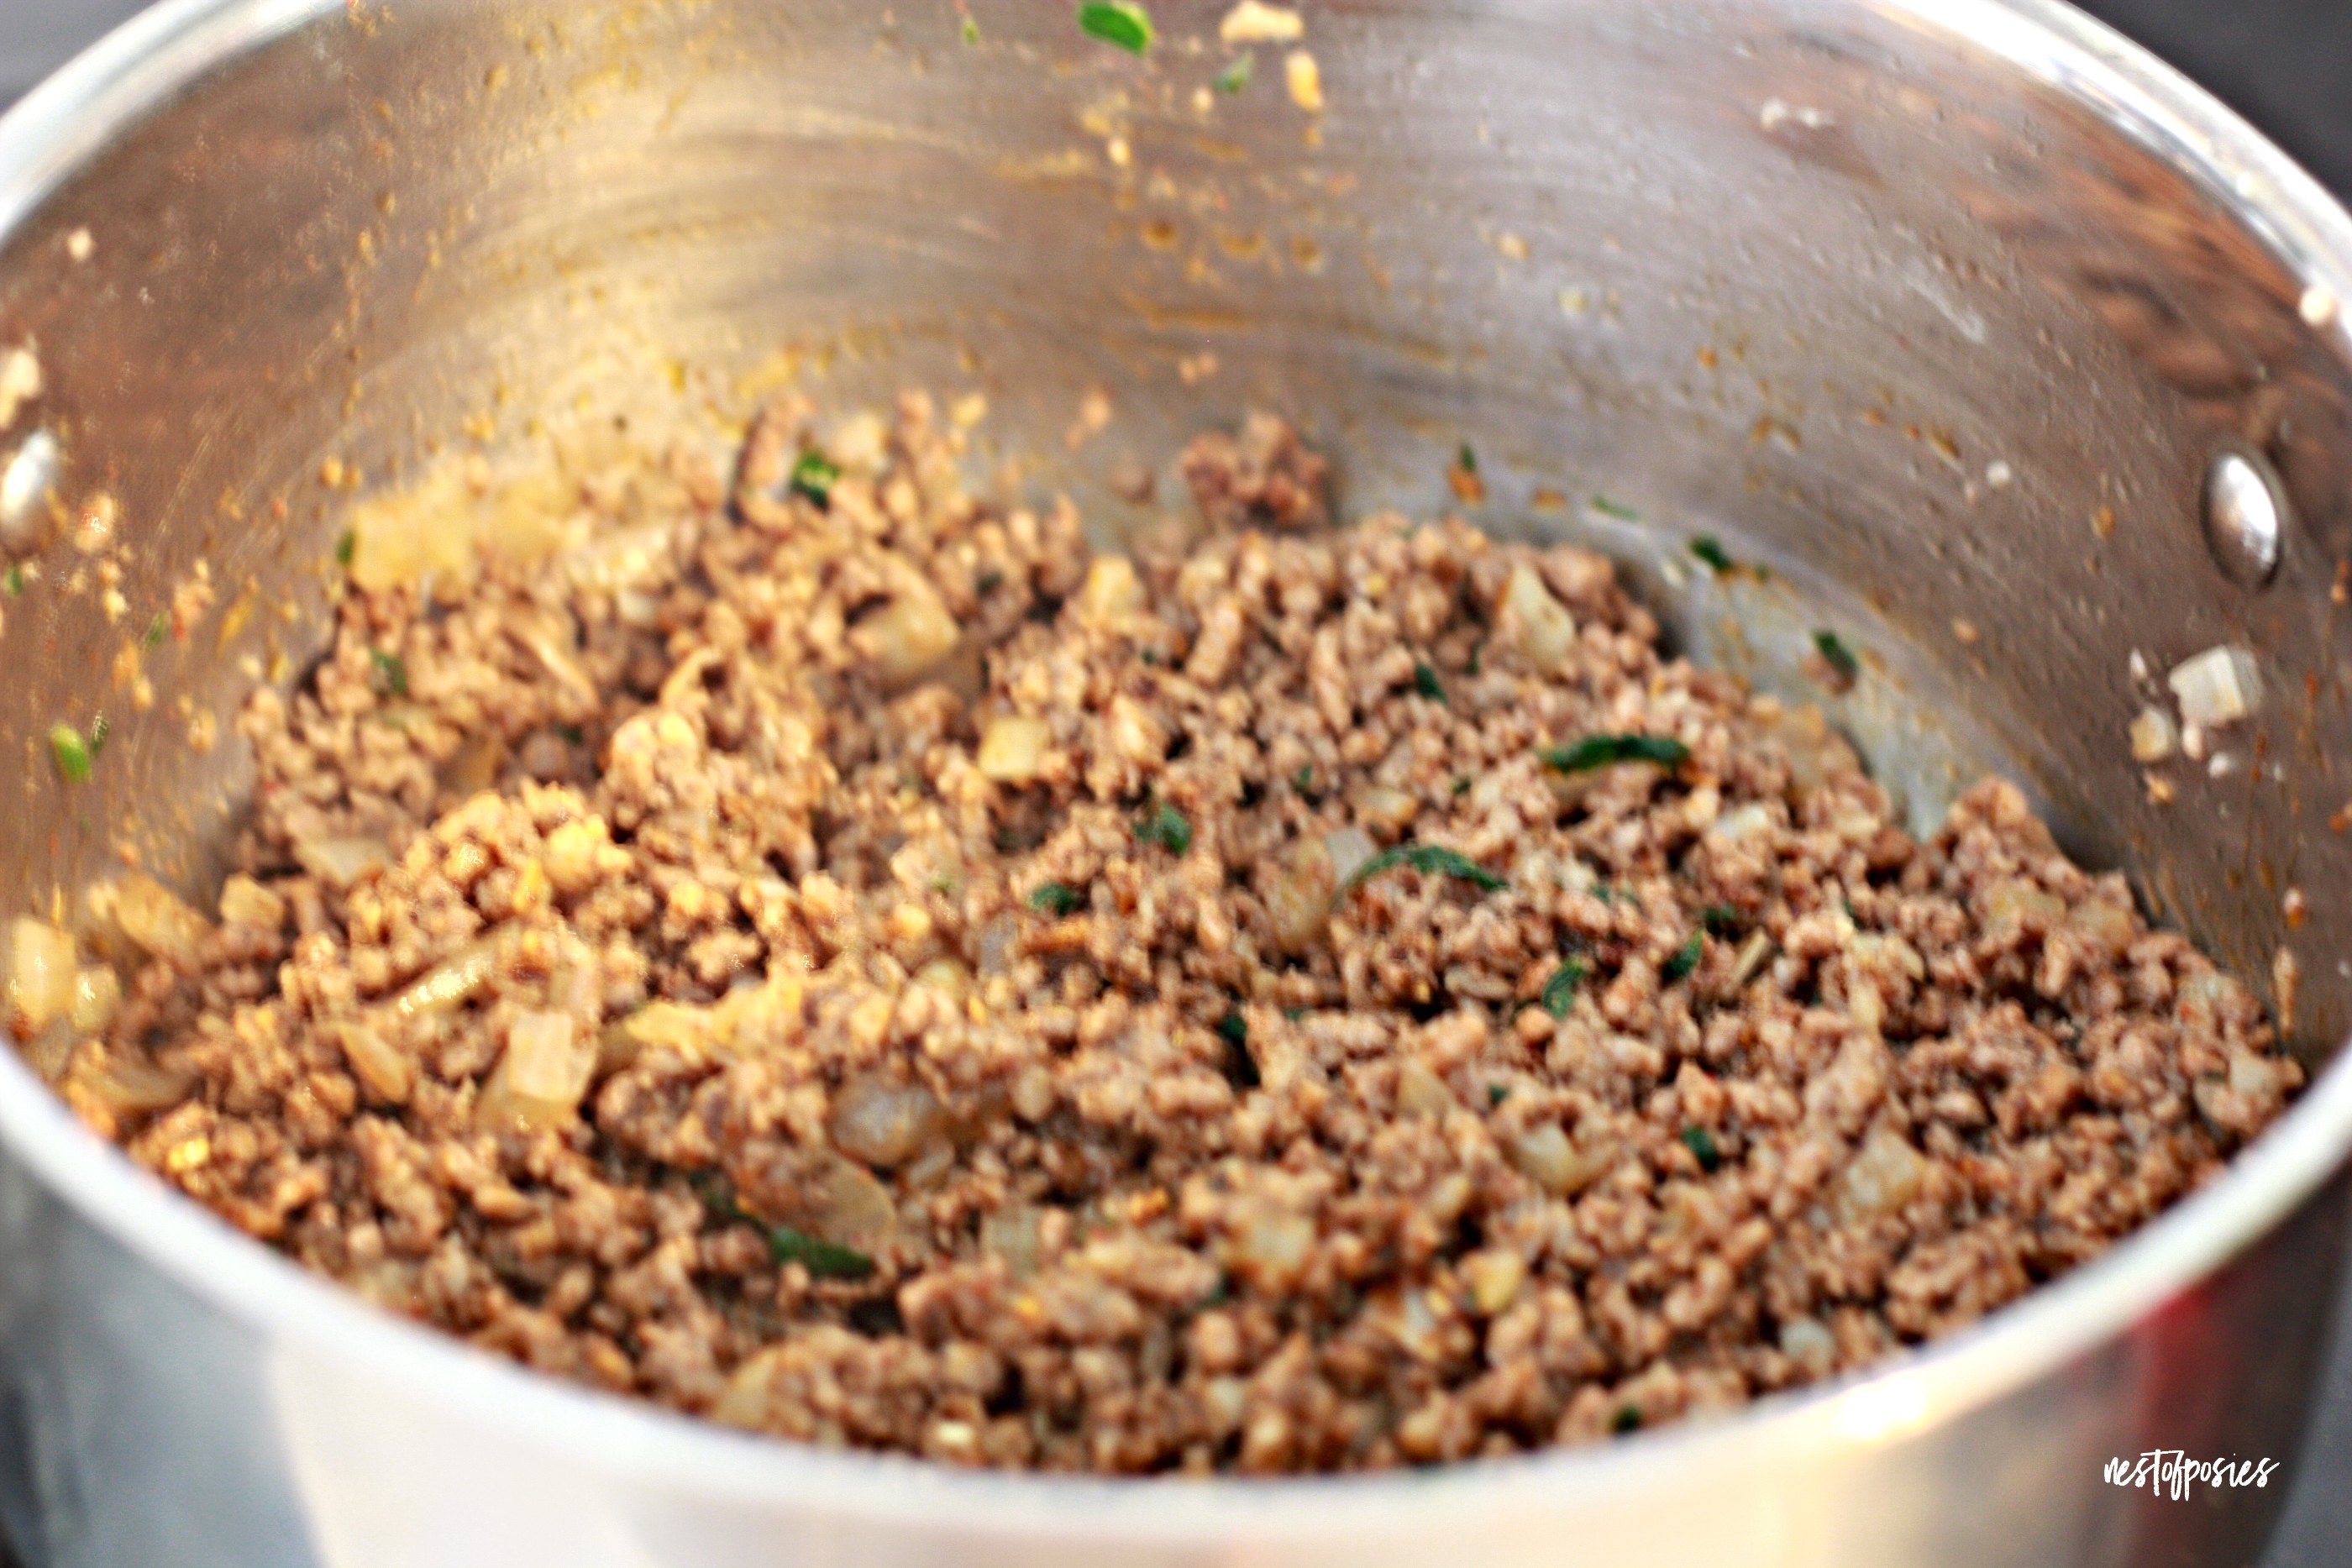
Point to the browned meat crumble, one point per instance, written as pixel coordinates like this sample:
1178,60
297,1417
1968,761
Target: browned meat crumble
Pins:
825,953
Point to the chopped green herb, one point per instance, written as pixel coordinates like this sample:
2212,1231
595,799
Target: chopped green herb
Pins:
1685,958
1604,892
391,672
1497,1093
572,734
1601,750
1560,991
1150,655
814,477
1303,779
1709,548
971,28
15,580
1431,859
1461,785
945,884
1117,22
1294,1014
1234,1030
99,730
989,581
1236,75
1424,681
1847,904
825,1259
1627,1419
1720,918
1165,825
157,627
346,546
1837,655
1057,898
1468,460
72,755
1617,509
1701,1144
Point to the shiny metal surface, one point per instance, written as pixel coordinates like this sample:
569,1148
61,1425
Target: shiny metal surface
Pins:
1941,310
2245,518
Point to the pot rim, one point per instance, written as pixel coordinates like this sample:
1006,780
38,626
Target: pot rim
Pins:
80,110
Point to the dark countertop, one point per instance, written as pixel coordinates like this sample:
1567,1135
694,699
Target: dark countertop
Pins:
2284,64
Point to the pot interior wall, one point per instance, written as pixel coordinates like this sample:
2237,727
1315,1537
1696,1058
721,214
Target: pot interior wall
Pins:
1884,315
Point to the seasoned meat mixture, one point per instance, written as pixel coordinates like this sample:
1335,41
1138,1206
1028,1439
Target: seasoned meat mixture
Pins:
819,950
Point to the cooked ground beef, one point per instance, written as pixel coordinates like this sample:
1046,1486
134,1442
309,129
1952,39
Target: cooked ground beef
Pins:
822,953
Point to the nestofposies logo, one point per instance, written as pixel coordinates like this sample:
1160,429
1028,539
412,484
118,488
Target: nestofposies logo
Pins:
2171,1472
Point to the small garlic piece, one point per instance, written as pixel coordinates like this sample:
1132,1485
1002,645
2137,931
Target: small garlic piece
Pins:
2153,735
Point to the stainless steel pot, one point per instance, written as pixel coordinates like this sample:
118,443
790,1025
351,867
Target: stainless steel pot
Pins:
1943,310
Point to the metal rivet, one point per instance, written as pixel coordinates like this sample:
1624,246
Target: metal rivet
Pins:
2245,518
25,486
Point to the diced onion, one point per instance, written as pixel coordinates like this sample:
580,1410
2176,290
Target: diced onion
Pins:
450,983
1298,894
886,1122
388,1074
909,636
151,915
340,862
1545,1155
1882,1178
40,973
2153,735
540,1077
1110,594
97,992
1542,625
1348,848
2218,686
1012,748
244,901
132,1086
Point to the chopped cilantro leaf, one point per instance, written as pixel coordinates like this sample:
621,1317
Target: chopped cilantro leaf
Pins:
1709,549
971,29
72,755
1424,681
346,546
1233,1029
1627,1419
824,1260
1294,1014
1701,1144
1837,655
1236,75
1497,1093
1560,991
156,628
1461,785
1118,23
1057,898
1720,918
1617,509
1431,859
1303,779
1601,750
15,580
1685,958
989,581
1166,826
814,477
390,677
1468,460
